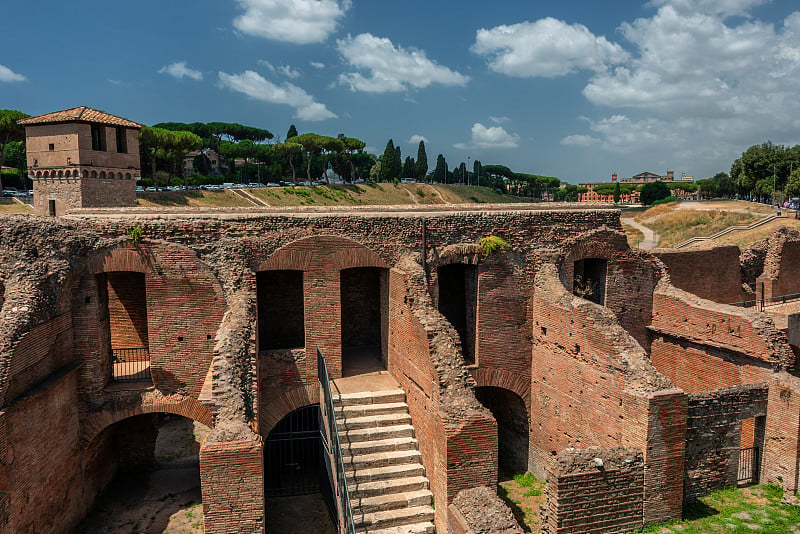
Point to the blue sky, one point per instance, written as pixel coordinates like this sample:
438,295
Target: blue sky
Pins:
573,89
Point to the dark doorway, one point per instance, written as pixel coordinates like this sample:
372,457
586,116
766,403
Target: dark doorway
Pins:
590,280
281,310
511,415
364,302
293,454
458,299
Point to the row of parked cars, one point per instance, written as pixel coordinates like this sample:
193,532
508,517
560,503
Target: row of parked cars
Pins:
219,187
13,192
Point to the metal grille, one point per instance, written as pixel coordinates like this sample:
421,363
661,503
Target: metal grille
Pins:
292,455
749,463
131,364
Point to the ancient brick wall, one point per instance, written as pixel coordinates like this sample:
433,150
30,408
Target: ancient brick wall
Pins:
782,441
714,435
67,193
713,274
594,491
127,308
108,192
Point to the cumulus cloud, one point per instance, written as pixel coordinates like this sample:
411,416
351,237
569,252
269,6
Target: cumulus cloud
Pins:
180,70
317,65
698,83
390,68
292,21
499,120
545,48
489,137
416,138
255,86
8,75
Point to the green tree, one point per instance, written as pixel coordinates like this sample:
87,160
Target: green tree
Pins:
331,147
352,146
390,163
421,166
290,150
477,171
181,143
440,172
154,143
312,146
617,192
408,168
291,133
10,130
652,191
793,184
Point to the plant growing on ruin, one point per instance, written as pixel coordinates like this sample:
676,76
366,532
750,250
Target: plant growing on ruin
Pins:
491,244
135,234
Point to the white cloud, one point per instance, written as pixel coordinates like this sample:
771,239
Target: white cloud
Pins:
255,86
722,8
390,68
545,48
8,75
491,137
285,70
179,70
293,21
579,140
416,138
499,120
317,65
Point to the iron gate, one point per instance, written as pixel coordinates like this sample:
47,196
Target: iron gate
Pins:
749,464
292,454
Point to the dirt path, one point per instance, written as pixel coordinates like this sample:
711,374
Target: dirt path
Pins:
650,240
438,194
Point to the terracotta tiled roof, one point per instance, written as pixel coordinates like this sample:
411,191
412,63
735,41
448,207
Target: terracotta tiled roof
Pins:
81,114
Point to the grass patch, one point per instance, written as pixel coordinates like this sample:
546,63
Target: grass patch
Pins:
9,206
737,511
634,235
492,244
207,199
523,493
680,225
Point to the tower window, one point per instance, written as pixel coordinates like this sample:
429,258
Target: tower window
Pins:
98,137
122,141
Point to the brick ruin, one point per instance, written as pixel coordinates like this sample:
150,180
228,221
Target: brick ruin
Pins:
625,379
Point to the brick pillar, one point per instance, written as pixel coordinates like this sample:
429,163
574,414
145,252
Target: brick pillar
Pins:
657,426
232,481
323,321
782,442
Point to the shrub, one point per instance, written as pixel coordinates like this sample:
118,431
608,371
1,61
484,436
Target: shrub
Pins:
491,244
664,201
135,234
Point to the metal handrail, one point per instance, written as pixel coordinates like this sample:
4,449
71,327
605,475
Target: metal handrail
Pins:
331,443
763,303
131,364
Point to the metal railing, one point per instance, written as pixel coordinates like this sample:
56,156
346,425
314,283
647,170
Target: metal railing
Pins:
749,463
333,448
764,303
131,364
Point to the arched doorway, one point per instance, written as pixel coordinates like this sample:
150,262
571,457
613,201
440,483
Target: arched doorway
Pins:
511,415
145,471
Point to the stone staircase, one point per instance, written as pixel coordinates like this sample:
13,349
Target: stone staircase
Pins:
387,483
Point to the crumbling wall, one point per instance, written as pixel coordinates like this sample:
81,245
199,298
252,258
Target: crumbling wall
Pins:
702,345
781,274
594,491
713,436
782,441
713,273
480,511
593,386
457,436
630,278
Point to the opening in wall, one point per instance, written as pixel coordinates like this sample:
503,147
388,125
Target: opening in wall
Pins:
127,315
364,301
458,299
281,310
589,280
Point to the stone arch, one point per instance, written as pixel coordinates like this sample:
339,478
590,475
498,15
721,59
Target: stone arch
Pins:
512,414
303,254
120,258
500,378
94,174
276,409
38,174
102,174
189,407
127,176
60,174
85,174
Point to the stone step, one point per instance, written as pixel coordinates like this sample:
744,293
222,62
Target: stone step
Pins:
391,501
373,421
382,459
387,486
375,433
370,397
412,528
362,410
378,445
390,518
375,474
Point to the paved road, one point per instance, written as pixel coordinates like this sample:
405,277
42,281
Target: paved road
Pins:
650,240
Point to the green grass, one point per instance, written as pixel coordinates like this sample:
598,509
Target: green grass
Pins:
736,511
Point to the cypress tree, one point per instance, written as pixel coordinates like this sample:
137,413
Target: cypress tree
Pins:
292,132
440,172
421,166
390,163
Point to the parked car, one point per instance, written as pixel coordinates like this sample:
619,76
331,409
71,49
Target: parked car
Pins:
9,192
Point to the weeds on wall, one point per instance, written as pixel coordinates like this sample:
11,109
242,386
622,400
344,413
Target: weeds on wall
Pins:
492,244
135,234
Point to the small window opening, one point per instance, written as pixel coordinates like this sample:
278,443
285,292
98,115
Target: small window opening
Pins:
281,310
98,137
52,147
122,141
458,298
51,207
590,280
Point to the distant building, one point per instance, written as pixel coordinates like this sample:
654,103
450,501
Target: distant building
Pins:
639,179
82,158
216,163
